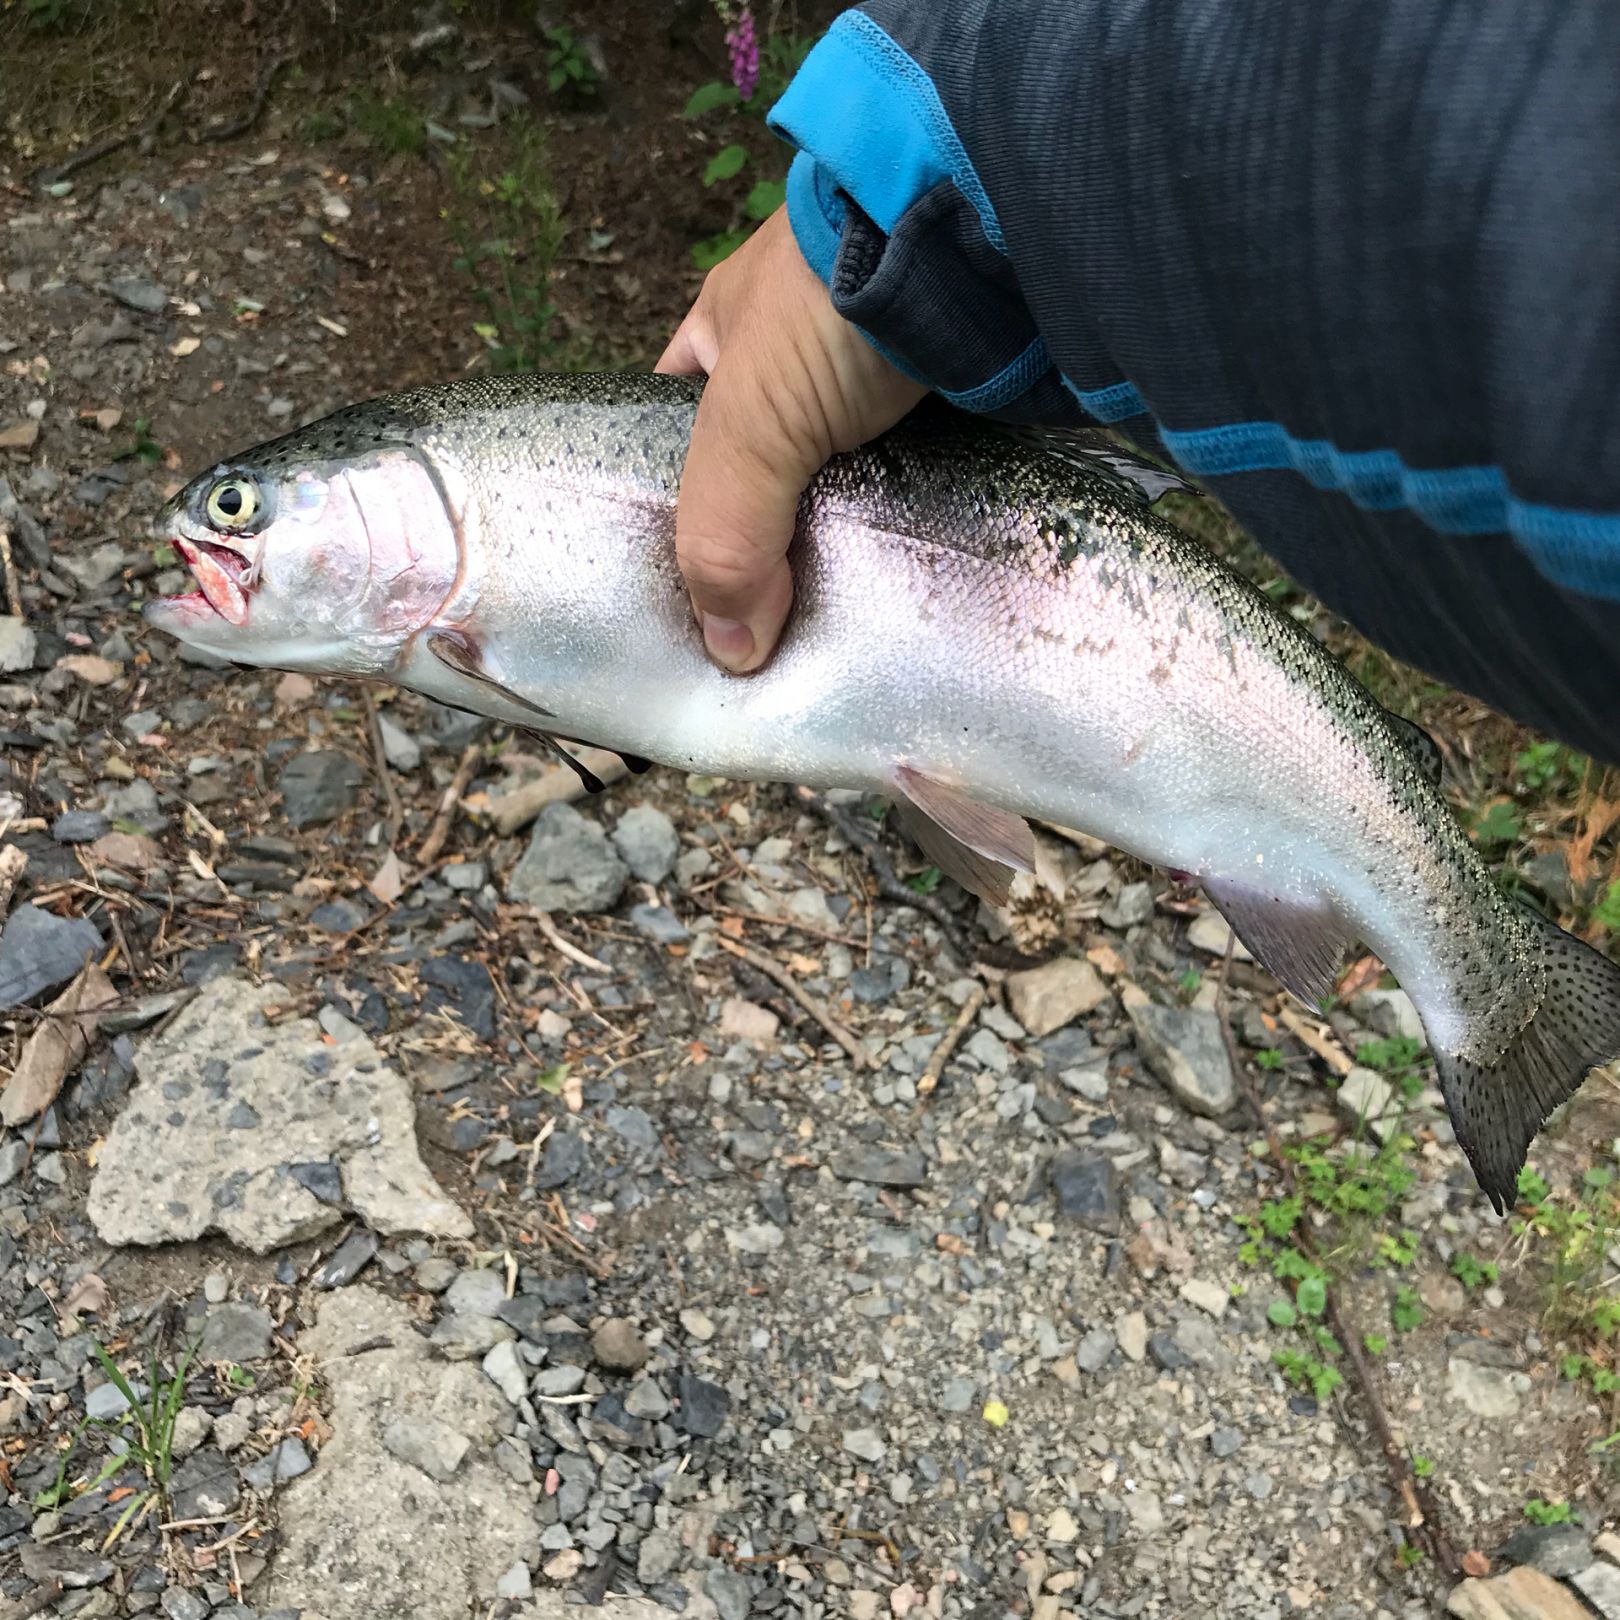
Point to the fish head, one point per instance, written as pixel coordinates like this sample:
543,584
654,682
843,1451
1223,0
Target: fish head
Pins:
325,551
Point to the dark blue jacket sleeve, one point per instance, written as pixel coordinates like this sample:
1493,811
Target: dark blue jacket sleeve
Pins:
1356,267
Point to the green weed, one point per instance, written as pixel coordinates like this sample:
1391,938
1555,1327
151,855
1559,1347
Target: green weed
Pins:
389,123
1472,1273
1540,1512
144,447
568,69
925,881
508,228
1269,1057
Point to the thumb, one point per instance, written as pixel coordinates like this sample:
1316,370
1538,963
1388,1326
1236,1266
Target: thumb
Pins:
746,468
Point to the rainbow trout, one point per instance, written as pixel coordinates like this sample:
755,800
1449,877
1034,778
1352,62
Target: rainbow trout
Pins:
989,625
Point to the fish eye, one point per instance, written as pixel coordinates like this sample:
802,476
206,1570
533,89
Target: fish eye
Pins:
233,503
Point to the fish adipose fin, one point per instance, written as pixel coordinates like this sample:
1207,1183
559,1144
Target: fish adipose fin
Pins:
981,847
460,653
1422,747
1300,945
1497,1109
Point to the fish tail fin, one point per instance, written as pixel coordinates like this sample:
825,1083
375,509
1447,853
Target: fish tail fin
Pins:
1498,1108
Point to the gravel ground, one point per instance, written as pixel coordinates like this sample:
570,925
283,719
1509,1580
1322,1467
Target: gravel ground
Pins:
538,1246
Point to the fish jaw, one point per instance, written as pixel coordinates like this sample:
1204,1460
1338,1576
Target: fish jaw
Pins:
221,572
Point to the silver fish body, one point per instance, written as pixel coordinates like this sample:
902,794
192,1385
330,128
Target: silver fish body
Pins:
987,627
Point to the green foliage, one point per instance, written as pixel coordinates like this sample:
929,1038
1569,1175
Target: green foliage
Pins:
1281,1314
508,228
1393,1056
1550,767
1305,1370
551,1080
925,881
1375,1344
1269,1057
389,123
725,164
1539,1512
1423,1467
1408,1555
1407,1310
1606,913
568,68
716,93
1497,824
1472,1273
144,448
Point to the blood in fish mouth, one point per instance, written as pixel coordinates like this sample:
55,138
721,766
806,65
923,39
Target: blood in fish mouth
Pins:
217,569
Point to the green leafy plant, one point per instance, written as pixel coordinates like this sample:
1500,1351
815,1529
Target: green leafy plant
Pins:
1472,1273
1539,1512
1606,913
1408,1555
507,227
1423,1467
389,123
568,68
1407,1310
1545,766
144,447
1269,1057
1497,824
925,881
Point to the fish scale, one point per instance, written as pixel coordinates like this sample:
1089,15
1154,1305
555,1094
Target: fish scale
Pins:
989,625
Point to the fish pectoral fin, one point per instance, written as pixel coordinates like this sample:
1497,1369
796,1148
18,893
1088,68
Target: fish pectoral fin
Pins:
458,651
1301,945
979,846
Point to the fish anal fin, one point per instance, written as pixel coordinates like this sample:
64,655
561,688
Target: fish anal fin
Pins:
1299,944
976,844
456,650
1422,747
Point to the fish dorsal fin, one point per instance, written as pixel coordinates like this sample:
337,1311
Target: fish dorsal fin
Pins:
1298,944
458,651
1422,747
981,847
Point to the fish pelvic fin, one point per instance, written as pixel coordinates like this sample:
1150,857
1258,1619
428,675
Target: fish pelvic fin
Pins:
456,650
1497,1109
977,845
1301,945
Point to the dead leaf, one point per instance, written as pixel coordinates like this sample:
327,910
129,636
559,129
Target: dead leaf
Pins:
803,964
20,436
90,669
88,1298
1106,960
56,1047
1361,975
181,347
1475,1563
107,418
13,863
135,852
200,866
573,1092
291,690
389,883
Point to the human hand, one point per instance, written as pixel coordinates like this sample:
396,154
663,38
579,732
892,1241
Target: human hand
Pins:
790,383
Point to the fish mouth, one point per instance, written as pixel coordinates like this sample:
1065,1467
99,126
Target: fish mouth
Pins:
221,573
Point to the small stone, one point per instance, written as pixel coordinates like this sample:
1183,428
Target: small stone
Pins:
562,1567
479,1292
867,1444
1599,1584
745,1021
231,1431
698,1323
731,1592
1366,1097
505,1371
236,1333
285,1460
22,435
880,1168
192,1426
646,1400
107,1400
1518,1594
957,1395
1095,1349
426,1443
1133,905
1259,1485
318,787
988,1050
216,1286
400,748
1185,1048
704,1406
1488,1392
569,866
1391,1013
647,842
886,978
1061,1527
659,1557
760,1238
347,1260
1207,1295
515,1583
1223,1442
137,293
559,1379
79,827
659,924
1132,1333
1056,993
1087,1188
1167,1354
179,1604
18,645
618,1345
39,950
435,1274
1561,1550
1146,1512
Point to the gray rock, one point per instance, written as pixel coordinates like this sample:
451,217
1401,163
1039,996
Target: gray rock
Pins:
704,1406
179,1604
39,950
1391,1013
18,645
515,1583
887,977
1094,1350
235,1332
1223,1442
867,1444
1366,1099
659,1557
559,1379
368,1533
1488,1392
137,293
79,826
346,1261
75,1567
285,1460
505,1371
400,748
319,786
1087,1188
1133,905
880,1168
1185,1048
13,1156
231,1431
435,1274
1560,1550
427,1443
646,1400
731,1592
659,924
617,1345
477,1293
167,1173
647,842
1599,1584
1046,998
205,1486
107,1400
957,1396
986,1047
569,866
192,1426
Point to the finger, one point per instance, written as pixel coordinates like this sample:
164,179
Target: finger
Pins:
693,350
745,470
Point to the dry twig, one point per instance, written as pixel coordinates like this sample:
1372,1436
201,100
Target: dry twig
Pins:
379,754
948,1042
565,947
446,814
774,971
